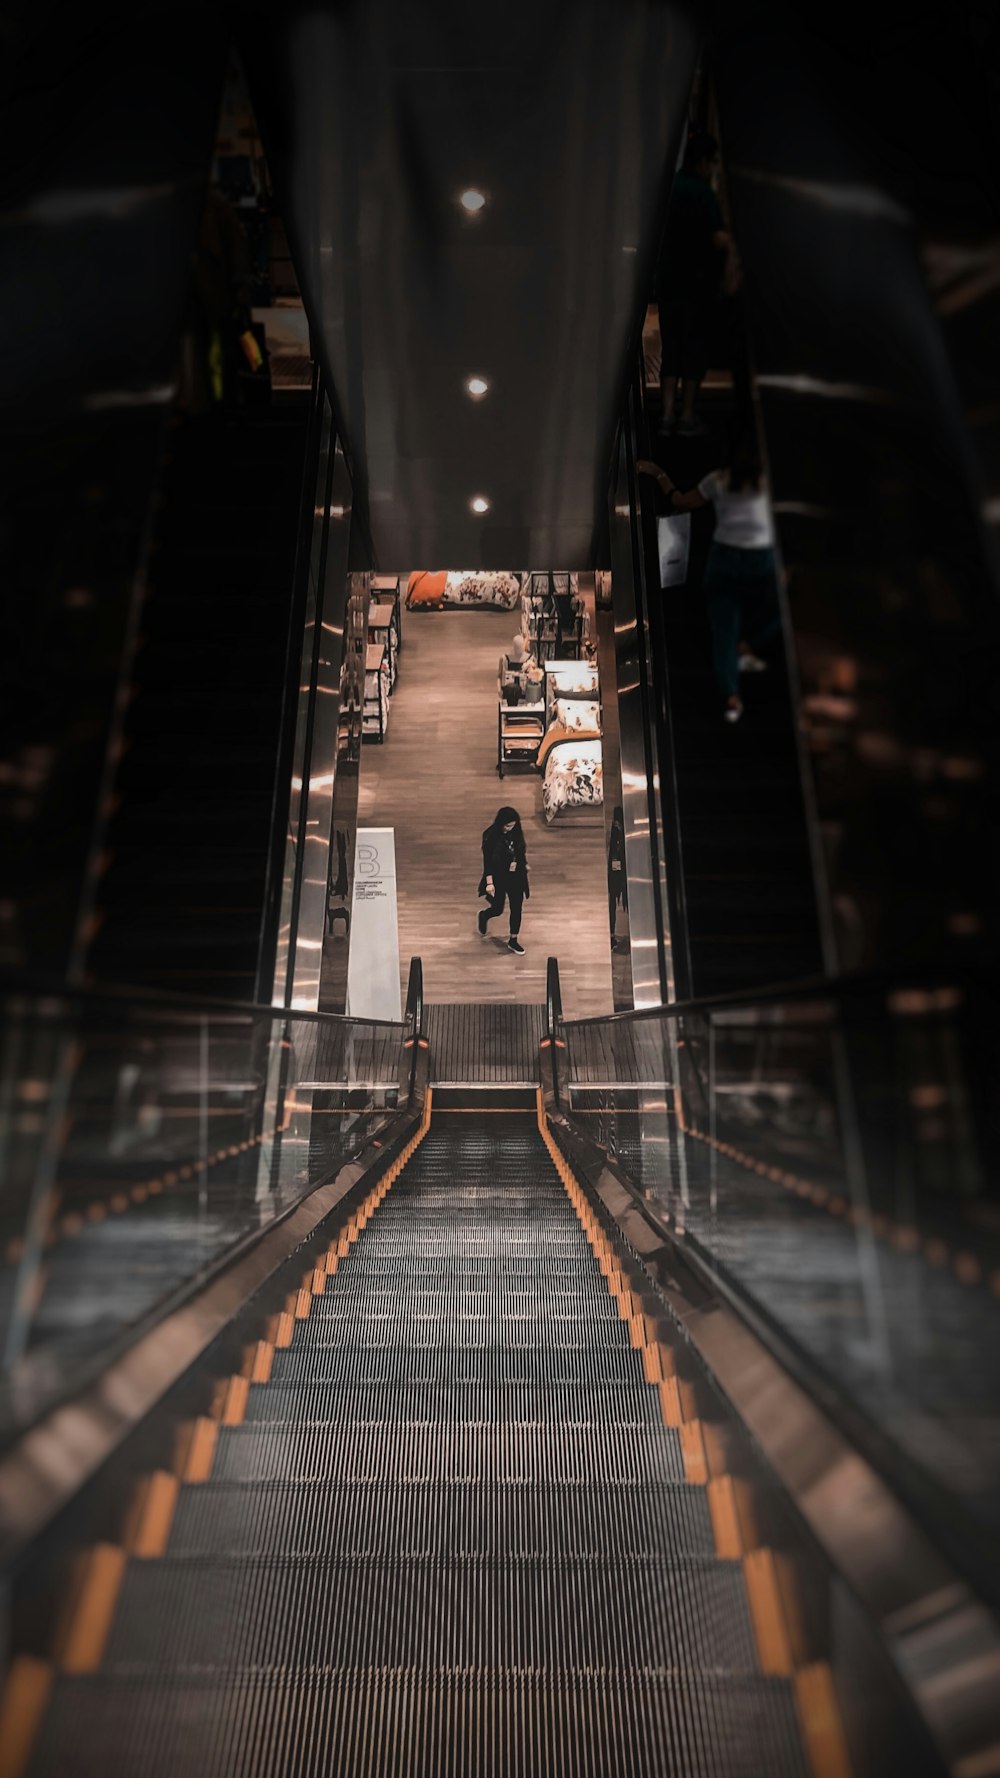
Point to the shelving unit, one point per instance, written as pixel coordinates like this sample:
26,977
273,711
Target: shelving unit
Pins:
385,623
375,711
520,728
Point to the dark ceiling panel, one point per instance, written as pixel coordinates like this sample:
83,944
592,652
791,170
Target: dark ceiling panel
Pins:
567,116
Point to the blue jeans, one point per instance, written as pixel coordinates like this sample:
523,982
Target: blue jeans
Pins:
742,607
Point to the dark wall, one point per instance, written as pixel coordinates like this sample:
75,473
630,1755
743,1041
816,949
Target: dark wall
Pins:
108,122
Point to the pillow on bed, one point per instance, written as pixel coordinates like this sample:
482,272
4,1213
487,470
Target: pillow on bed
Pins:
470,588
557,732
581,717
425,589
573,679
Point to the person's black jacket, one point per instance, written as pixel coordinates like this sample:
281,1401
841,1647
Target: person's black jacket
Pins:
496,861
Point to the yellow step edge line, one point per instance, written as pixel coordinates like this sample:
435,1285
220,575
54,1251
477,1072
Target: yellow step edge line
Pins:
671,1410
768,1579
820,1722
259,1361
774,1647
724,1510
94,1599
157,1501
692,1439
196,1450
23,1704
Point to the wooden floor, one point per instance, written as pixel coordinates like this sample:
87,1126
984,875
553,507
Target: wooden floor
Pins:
434,781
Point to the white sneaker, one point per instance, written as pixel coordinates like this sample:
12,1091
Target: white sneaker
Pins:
733,710
752,663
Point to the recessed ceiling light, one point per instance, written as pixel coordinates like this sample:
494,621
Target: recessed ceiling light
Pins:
479,503
476,387
473,200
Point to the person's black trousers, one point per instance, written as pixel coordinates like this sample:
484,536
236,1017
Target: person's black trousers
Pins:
497,903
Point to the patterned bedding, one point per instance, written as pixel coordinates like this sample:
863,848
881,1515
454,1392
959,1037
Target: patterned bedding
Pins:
432,591
574,776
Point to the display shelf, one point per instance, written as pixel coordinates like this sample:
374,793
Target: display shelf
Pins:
520,728
375,710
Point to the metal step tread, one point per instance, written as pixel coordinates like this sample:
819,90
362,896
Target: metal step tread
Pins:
485,1317
472,1300
420,1519
365,1402
496,1334
685,1614
452,1363
392,1723
449,1451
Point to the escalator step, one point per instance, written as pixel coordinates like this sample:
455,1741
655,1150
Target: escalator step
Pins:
391,1333
417,1520
362,1401
430,1451
456,1365
401,1724
383,1268
686,1614
475,1301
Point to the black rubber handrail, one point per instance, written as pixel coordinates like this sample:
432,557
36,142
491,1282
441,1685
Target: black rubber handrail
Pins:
413,1019
13,985
825,987
553,1021
553,997
282,785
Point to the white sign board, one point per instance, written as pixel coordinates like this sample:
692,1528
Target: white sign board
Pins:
373,965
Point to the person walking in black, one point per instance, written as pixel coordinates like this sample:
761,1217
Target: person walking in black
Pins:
505,874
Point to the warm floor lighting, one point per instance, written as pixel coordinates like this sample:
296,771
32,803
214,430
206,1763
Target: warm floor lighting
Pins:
479,503
473,200
477,386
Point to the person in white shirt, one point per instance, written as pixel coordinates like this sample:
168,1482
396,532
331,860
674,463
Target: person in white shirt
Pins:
740,573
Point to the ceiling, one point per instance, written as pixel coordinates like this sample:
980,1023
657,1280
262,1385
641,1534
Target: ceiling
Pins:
566,116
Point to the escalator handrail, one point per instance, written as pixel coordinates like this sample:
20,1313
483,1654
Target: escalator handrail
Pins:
32,987
553,997
413,1021
413,1015
855,984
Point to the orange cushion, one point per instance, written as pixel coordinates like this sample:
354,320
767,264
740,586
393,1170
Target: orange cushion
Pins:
425,589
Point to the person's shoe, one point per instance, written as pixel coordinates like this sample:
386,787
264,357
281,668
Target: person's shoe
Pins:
752,663
481,922
692,428
513,945
733,710
666,426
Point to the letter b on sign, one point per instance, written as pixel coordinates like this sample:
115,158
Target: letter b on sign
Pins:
367,863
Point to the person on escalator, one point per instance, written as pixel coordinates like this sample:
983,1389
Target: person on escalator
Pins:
505,874
697,263
740,583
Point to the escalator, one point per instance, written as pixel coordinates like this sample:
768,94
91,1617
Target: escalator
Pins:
462,1527
188,843
487,1463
